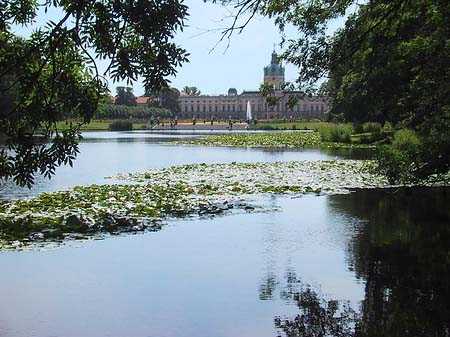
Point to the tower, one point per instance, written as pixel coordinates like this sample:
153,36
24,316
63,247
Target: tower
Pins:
274,72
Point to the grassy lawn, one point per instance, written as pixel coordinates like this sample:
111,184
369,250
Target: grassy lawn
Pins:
298,125
330,132
95,125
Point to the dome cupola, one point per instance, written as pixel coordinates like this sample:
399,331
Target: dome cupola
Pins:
274,68
274,72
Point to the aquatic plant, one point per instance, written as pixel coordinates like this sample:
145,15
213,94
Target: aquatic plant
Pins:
176,191
271,139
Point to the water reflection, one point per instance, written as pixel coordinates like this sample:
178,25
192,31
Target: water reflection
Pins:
350,153
318,317
402,253
232,275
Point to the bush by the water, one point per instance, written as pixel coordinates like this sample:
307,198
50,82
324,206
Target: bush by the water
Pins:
369,132
336,133
372,127
401,159
121,125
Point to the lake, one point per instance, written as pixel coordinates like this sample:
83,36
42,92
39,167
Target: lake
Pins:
382,252
104,154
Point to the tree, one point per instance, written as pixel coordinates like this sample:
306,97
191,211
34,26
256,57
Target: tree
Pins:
169,99
166,97
125,96
390,62
53,73
192,91
398,74
267,90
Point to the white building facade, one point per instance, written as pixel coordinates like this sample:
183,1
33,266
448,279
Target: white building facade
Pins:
234,105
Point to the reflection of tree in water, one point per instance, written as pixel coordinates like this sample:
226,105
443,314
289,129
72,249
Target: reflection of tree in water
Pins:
268,286
402,253
317,317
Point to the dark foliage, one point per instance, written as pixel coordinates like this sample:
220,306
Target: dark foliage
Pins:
389,63
121,125
137,113
52,74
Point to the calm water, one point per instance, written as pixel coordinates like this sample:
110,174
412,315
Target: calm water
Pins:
104,154
385,252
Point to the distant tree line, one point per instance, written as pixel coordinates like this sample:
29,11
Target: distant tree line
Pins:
113,111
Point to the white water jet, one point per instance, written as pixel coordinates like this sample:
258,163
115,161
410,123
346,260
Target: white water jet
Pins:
249,111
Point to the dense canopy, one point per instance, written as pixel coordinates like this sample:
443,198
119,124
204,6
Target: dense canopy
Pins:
390,62
53,73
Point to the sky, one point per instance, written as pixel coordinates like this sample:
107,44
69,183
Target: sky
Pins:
237,62
213,68
234,63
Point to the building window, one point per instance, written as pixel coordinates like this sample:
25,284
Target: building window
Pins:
209,108
192,108
233,108
185,108
198,108
204,108
223,108
215,108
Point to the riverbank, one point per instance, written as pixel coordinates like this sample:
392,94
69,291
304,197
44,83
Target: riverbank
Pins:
332,134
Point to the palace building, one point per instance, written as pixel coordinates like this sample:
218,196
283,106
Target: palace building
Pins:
234,105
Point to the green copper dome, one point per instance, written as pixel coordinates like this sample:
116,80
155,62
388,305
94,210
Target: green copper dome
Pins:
274,68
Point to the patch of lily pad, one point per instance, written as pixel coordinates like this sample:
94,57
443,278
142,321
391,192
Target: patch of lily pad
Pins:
238,179
267,139
88,211
177,191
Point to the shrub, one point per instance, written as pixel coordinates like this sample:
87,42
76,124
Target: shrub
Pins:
112,111
406,140
400,161
372,127
121,125
388,128
336,133
358,128
368,133
267,127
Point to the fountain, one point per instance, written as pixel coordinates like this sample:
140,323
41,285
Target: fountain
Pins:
249,114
